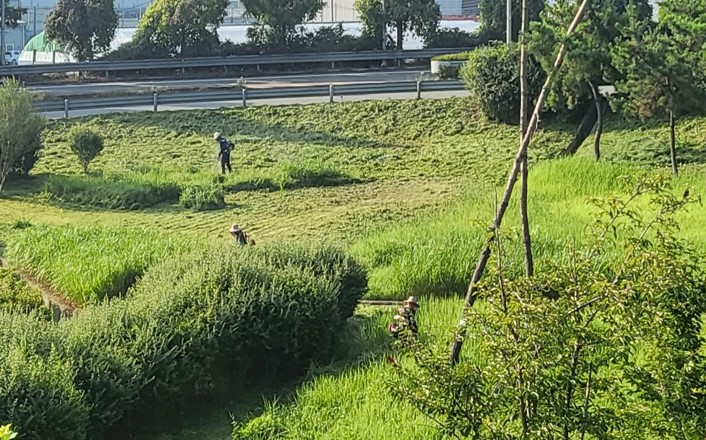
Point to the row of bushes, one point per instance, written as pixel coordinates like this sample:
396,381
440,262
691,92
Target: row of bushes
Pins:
323,39
222,309
199,191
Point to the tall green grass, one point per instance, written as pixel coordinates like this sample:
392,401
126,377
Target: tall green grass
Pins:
89,264
436,253
353,402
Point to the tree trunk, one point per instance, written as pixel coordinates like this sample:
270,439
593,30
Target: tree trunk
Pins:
524,172
400,35
673,144
598,101
511,180
584,129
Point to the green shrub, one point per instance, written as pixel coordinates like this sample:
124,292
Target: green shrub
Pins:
6,432
86,144
89,264
202,198
324,260
37,391
113,192
243,309
15,294
461,56
492,76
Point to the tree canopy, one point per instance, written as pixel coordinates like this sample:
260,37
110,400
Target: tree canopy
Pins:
181,27
493,17
84,28
419,16
281,17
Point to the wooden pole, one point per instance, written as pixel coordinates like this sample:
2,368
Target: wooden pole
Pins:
511,180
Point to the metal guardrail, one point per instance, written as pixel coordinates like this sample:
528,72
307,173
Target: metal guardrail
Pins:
243,95
241,60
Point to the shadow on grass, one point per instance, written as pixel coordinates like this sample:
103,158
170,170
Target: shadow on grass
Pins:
210,418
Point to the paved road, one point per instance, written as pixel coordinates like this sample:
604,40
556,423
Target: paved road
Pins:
128,87
253,102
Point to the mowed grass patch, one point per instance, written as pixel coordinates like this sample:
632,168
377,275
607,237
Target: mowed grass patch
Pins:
90,264
436,253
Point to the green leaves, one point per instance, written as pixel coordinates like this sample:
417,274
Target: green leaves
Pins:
181,27
584,347
84,27
20,127
419,16
86,144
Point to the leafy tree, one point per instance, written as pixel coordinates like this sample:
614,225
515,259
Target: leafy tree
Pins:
662,66
13,14
20,127
588,63
281,17
84,27
86,144
556,355
181,27
493,17
419,16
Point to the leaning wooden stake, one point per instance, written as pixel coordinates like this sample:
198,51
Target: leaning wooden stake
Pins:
511,180
524,166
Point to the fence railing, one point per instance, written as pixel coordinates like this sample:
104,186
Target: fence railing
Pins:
241,60
243,95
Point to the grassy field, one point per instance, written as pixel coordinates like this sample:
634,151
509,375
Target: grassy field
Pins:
407,185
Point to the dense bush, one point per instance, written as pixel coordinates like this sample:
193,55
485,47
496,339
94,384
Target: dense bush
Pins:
15,294
492,76
89,264
37,390
111,192
247,310
446,38
86,145
202,198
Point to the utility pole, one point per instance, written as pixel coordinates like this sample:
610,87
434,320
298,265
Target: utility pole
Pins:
508,23
384,26
2,31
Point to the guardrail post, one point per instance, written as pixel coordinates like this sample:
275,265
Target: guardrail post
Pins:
155,101
245,98
34,56
330,94
66,109
419,89
333,65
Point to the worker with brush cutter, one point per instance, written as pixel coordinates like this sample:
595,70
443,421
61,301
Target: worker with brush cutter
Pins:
405,321
225,147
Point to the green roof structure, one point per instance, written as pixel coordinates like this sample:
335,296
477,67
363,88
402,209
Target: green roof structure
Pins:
41,43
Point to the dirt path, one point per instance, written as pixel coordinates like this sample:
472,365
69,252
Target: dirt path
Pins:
53,300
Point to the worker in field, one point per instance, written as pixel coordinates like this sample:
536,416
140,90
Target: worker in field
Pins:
240,237
405,321
225,147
